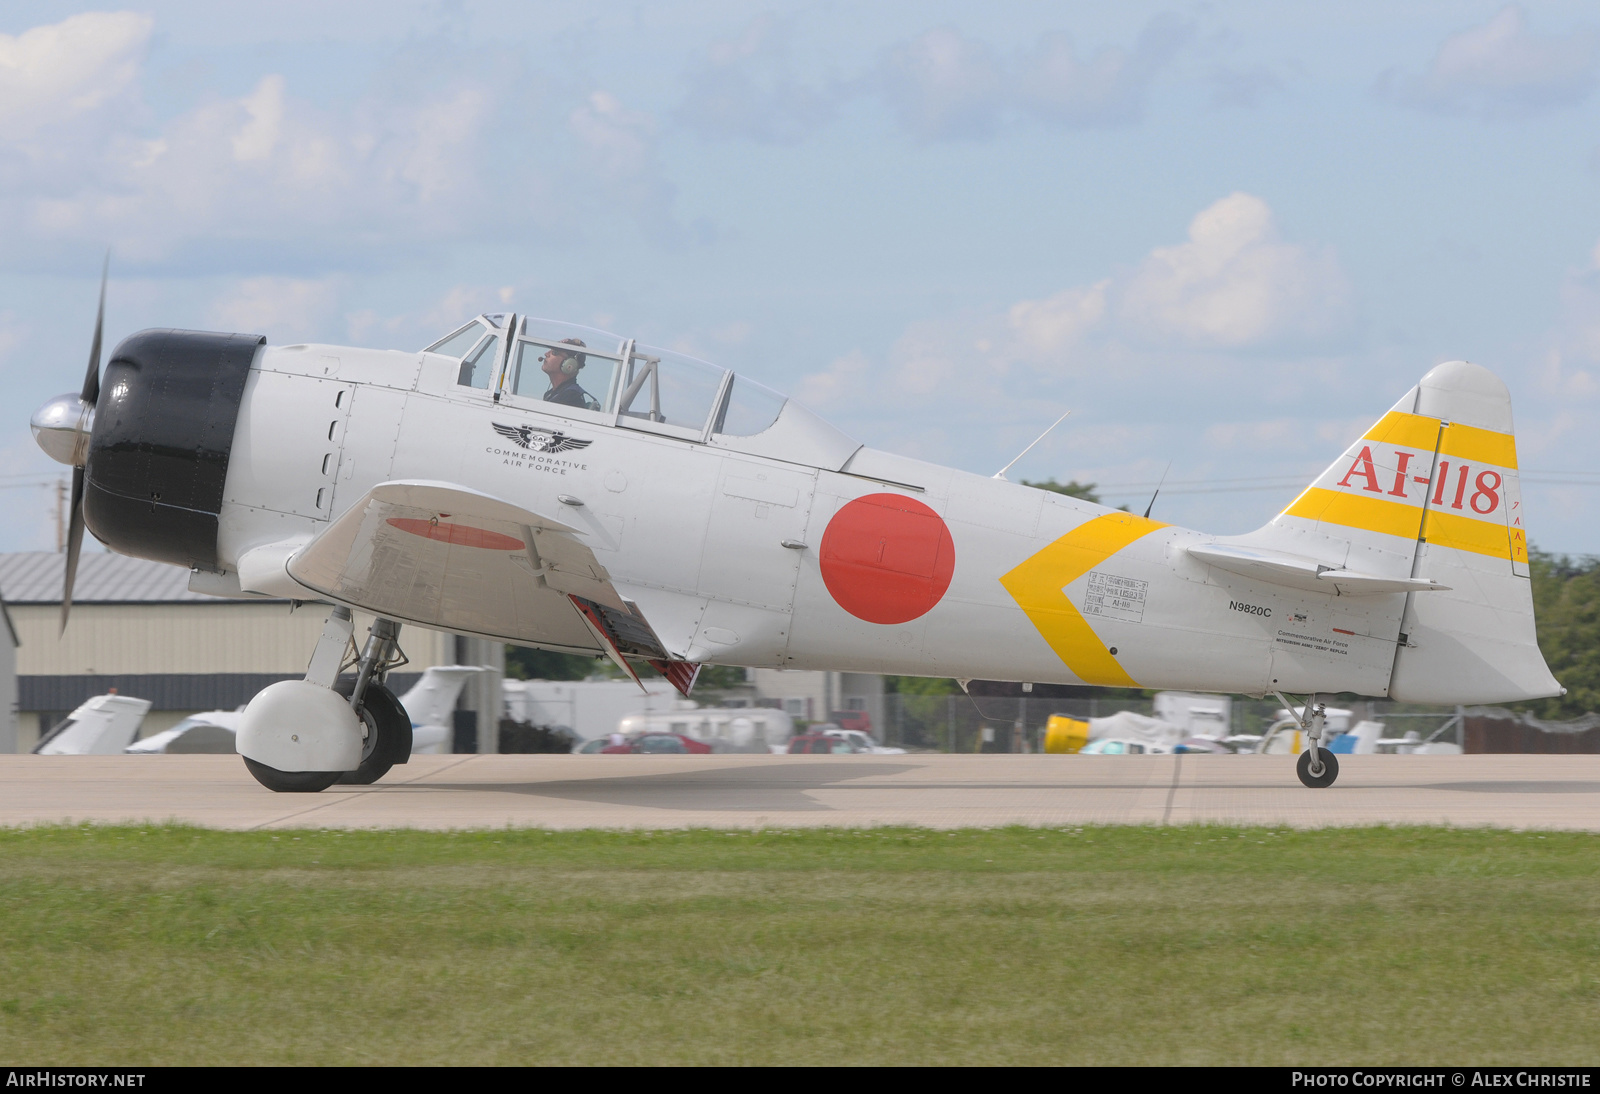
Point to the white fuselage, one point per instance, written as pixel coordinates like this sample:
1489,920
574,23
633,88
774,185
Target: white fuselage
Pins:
694,532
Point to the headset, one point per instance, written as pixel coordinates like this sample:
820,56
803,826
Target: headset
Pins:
573,361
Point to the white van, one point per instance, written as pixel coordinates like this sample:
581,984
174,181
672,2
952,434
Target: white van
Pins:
732,729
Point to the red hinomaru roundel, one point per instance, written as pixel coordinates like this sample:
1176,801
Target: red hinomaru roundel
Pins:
887,558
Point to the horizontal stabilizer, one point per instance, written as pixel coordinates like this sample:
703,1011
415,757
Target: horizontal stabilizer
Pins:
1299,572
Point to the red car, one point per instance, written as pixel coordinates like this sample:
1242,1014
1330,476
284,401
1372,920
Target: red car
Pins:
820,744
658,744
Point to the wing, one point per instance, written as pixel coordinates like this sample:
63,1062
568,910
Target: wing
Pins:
511,433
560,442
456,559
449,557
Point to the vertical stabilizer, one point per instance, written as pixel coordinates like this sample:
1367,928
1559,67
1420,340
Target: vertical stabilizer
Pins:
1429,495
1474,642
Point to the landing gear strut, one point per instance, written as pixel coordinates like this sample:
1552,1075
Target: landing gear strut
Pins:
302,736
1316,767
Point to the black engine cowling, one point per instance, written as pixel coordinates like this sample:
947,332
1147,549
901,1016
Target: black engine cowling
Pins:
163,429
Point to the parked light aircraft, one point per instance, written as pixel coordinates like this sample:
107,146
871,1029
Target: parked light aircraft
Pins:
556,486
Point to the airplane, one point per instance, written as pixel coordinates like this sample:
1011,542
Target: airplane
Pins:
102,725
551,485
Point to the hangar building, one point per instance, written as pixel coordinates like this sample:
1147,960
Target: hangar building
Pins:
137,628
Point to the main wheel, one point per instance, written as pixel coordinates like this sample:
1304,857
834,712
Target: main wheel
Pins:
388,733
1330,769
290,782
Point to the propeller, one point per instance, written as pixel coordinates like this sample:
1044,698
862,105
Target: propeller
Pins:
87,397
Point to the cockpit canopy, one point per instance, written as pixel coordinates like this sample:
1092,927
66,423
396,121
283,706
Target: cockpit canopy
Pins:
577,370
538,366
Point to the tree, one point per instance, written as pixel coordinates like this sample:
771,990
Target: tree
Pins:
720,678
1566,607
523,663
1087,491
1073,489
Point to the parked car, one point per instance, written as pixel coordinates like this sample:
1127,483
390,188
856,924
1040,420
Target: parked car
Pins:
862,741
657,744
726,729
852,719
822,743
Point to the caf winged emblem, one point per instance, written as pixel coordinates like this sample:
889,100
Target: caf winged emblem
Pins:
535,439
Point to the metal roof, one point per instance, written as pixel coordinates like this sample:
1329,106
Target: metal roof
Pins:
34,577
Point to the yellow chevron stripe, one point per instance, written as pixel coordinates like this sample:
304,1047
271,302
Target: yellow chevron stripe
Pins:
1406,430
1357,511
1036,585
1468,442
1465,534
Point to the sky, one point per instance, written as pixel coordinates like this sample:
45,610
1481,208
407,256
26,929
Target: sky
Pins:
1225,236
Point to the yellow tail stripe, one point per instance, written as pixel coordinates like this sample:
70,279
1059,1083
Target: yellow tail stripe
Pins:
1406,430
1468,442
1354,511
1037,586
1465,534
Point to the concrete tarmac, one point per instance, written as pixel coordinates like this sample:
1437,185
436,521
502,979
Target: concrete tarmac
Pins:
931,790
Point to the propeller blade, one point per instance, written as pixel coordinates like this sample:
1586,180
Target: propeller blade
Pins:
74,545
91,382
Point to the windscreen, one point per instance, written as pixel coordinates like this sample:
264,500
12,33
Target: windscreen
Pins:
750,409
458,342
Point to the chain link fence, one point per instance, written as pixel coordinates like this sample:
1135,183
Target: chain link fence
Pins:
963,723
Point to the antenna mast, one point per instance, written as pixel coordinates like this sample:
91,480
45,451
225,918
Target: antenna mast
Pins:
1001,474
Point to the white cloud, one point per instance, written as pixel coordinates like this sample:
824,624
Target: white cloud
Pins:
50,75
1108,89
1571,367
621,160
1236,283
1233,285
745,87
1244,87
268,178
844,379
1060,321
264,107
944,85
1502,70
259,169
285,309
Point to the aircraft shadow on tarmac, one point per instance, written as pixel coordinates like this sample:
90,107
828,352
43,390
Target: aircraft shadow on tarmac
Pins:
783,789
1529,787
779,789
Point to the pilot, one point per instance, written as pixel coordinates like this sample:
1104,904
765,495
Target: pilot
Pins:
562,367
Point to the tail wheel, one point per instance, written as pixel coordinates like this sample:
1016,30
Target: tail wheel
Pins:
291,782
388,733
1330,769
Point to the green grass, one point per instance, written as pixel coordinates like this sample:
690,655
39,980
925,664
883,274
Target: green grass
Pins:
170,945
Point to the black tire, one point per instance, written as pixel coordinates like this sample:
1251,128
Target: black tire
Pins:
388,733
1330,769
290,782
